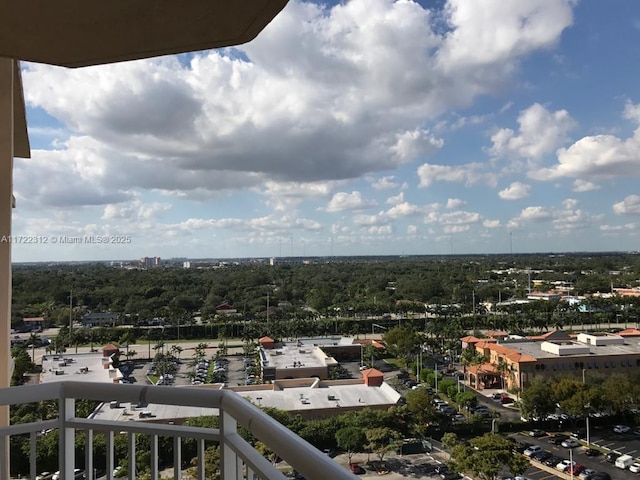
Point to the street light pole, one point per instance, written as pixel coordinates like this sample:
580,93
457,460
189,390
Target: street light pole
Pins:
571,462
587,407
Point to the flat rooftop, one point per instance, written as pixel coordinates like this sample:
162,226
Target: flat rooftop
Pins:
131,412
87,367
302,395
325,341
533,348
321,395
291,355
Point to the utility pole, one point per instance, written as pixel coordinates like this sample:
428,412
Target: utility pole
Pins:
71,317
473,298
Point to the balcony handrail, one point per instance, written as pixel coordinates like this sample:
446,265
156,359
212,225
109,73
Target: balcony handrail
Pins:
298,453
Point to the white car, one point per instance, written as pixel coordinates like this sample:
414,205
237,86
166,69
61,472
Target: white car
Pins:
564,464
634,467
531,450
622,429
570,443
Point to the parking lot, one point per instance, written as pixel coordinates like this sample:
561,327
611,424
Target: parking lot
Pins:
421,465
600,436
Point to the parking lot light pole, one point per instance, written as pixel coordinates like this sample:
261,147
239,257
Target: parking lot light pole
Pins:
571,462
588,408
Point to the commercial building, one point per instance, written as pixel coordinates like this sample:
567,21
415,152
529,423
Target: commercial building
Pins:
280,361
307,397
515,361
309,357
86,367
315,398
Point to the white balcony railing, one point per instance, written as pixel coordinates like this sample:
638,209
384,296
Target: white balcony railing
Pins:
239,460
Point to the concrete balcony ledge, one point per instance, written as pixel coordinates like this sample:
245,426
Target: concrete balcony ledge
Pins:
239,460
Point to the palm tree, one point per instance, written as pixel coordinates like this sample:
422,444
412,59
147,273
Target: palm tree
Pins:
130,353
199,351
33,339
502,367
159,348
176,350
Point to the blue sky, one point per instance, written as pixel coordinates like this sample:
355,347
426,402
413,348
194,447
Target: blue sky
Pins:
368,127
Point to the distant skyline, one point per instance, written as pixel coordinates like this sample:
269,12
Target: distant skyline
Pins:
368,127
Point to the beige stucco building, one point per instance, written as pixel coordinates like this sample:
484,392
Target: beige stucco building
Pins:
515,361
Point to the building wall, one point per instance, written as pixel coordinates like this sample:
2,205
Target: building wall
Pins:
343,352
273,373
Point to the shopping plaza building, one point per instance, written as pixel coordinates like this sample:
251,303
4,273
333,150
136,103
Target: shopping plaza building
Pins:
556,353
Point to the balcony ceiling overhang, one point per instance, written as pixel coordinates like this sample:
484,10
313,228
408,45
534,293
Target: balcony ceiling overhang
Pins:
79,33
21,146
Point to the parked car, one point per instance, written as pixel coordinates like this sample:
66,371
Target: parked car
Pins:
531,450
541,456
478,409
611,457
592,452
520,447
580,433
587,473
552,461
634,467
458,418
575,469
536,432
601,476
570,443
622,429
451,476
564,465
357,469
558,438
44,476
441,469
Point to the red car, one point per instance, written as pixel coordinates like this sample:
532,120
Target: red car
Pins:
504,399
575,470
357,469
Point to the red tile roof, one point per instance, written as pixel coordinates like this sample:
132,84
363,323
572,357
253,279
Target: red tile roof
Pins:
372,373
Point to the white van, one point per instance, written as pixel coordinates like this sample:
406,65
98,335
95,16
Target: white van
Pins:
624,461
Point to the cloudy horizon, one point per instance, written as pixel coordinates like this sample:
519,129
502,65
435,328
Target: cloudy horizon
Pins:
369,127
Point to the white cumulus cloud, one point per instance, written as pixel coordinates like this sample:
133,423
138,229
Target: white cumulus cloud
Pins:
540,133
515,191
629,206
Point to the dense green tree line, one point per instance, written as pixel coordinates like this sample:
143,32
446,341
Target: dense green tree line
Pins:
443,287
615,394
